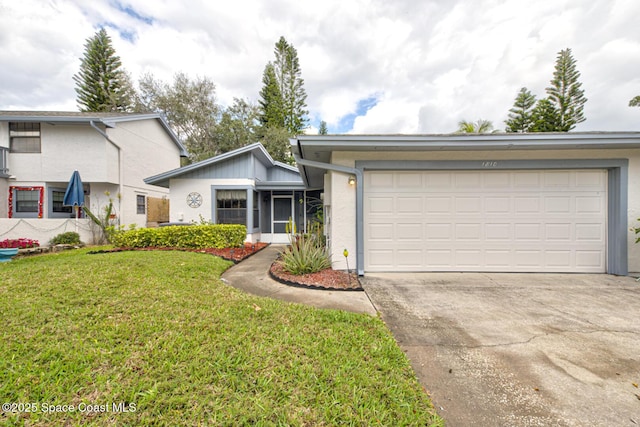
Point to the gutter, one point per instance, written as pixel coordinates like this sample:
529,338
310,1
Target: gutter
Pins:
120,163
359,202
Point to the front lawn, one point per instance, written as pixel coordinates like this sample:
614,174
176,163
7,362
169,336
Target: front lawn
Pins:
155,338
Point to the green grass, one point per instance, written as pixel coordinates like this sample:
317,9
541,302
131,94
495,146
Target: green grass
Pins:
159,332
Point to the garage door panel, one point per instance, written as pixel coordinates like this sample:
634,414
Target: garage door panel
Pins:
380,205
497,205
594,180
438,231
438,204
409,232
486,221
381,232
558,232
557,205
466,205
498,232
496,181
527,205
589,205
468,231
468,181
469,258
408,181
409,205
593,232
412,258
558,259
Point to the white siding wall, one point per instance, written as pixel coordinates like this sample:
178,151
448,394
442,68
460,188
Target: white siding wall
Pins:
147,150
64,149
343,196
180,188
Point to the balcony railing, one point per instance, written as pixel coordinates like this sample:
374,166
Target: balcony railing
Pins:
4,154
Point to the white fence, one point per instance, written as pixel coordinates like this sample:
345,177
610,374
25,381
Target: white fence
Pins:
43,230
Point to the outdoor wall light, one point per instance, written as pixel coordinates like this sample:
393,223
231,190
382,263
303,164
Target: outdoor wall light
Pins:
352,180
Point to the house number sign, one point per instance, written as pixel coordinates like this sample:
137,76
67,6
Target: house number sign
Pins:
489,164
194,199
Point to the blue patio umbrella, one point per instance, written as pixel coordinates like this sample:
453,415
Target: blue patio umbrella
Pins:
74,196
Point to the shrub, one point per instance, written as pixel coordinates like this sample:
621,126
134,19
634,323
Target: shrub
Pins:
176,236
68,238
304,256
19,243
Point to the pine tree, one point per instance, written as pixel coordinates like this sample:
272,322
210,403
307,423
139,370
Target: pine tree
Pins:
101,83
322,130
520,116
565,92
291,101
545,117
271,101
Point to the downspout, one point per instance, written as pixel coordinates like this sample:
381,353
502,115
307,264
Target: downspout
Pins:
120,163
359,203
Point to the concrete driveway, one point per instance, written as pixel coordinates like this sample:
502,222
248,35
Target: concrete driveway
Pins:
519,349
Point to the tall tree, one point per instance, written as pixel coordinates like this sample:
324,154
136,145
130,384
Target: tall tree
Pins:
291,84
322,130
101,83
520,116
635,102
479,126
566,92
190,108
545,117
238,126
282,101
271,102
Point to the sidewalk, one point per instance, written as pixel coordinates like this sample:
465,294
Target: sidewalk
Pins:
252,276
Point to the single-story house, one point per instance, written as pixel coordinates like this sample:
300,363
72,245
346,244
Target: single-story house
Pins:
113,152
243,186
540,202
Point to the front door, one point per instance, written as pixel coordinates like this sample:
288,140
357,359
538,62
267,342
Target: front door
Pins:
282,213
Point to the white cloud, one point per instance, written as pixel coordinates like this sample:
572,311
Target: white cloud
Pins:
430,63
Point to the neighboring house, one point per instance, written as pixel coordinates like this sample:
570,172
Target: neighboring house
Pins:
243,186
112,151
538,202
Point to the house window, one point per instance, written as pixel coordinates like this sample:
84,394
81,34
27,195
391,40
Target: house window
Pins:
231,207
57,200
26,202
24,137
256,210
141,204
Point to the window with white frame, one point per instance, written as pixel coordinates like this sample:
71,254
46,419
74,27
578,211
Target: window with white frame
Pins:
141,204
24,137
231,207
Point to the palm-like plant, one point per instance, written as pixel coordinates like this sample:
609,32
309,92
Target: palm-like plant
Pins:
479,126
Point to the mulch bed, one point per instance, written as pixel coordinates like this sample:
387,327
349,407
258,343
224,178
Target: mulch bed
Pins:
328,279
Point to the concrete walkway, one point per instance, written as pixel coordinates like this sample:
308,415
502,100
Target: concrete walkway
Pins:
252,276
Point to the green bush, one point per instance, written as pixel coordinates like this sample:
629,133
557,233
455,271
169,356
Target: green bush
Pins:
305,255
177,236
68,238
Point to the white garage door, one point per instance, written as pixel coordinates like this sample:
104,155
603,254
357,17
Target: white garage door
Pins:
528,221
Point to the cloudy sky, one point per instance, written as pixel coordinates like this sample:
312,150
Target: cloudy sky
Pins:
370,66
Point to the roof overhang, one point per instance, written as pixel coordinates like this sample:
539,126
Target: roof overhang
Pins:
319,148
108,120
256,149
